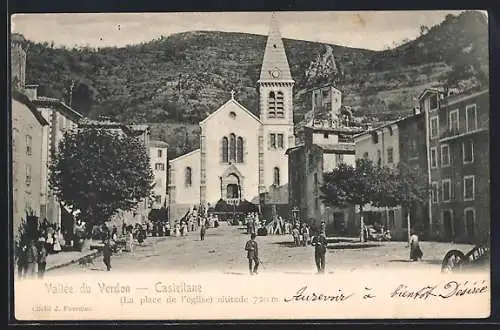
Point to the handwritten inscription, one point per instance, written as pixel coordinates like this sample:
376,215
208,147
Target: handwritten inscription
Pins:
303,295
448,290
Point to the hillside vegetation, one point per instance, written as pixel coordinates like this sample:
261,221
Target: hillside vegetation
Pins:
174,82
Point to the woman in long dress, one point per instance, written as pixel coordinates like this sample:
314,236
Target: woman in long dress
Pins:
415,251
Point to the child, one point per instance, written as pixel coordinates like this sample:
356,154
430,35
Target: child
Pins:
252,254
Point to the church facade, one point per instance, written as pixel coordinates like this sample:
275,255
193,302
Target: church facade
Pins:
242,156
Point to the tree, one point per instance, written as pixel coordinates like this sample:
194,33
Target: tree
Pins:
410,190
99,172
346,185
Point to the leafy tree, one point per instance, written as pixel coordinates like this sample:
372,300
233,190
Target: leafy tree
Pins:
410,189
100,172
346,185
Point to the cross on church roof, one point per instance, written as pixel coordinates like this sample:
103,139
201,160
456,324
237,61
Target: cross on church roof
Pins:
232,94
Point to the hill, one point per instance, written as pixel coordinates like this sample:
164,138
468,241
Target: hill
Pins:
176,81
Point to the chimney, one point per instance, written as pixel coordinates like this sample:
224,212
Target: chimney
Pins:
31,91
18,61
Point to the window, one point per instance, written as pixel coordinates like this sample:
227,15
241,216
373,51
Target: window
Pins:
365,155
469,188
445,155
160,167
470,220
276,105
15,137
29,145
468,151
61,122
239,150
434,130
446,190
325,135
434,163
272,139
434,193
433,102
280,141
225,145
390,155
454,125
188,177
28,174
232,147
160,153
471,118
280,112
392,218
276,180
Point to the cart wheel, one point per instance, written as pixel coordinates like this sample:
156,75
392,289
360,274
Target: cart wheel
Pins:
453,261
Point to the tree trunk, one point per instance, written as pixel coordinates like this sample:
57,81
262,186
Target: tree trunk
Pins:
361,224
408,225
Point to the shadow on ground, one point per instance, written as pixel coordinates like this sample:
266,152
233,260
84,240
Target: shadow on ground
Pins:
429,261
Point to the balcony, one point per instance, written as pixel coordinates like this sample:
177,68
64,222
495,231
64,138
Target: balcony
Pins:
449,135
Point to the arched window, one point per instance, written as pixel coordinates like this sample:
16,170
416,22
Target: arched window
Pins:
280,105
276,180
224,150
232,147
271,107
239,150
188,177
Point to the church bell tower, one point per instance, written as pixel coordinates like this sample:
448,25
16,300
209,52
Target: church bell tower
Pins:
276,112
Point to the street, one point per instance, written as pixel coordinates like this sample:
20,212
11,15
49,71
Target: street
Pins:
223,251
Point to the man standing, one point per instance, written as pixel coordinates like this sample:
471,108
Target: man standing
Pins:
252,254
203,231
106,253
41,257
319,243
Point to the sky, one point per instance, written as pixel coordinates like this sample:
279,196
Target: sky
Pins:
362,29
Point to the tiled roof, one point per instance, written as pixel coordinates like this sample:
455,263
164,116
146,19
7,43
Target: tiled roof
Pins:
20,97
158,144
43,101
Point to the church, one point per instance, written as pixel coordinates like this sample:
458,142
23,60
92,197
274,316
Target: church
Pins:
242,156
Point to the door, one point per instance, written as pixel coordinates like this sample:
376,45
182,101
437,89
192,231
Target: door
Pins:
469,223
447,225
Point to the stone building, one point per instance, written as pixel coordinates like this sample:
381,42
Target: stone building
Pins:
400,141
242,156
158,159
458,158
60,117
28,127
327,143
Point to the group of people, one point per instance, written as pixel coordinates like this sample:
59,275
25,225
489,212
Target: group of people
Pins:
31,257
319,243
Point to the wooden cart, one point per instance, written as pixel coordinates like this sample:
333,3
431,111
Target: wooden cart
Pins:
457,261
